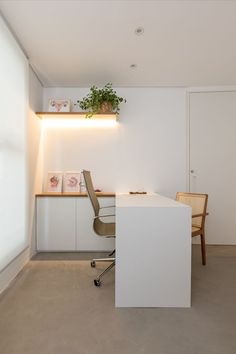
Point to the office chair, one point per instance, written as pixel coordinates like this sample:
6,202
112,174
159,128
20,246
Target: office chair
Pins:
198,202
101,228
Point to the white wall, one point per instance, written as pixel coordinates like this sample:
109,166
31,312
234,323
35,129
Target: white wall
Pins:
147,149
35,142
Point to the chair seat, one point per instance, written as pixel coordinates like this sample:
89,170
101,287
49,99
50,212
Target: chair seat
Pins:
104,228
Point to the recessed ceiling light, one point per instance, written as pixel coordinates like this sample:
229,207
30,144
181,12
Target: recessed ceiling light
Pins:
139,31
133,66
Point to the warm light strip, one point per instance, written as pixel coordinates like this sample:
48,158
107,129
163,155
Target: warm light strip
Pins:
74,115
78,123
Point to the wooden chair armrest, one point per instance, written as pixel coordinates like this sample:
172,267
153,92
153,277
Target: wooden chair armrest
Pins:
198,215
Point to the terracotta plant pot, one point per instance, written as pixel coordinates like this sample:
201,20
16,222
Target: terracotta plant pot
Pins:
106,107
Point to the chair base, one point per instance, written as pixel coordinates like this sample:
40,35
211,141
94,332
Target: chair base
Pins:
97,281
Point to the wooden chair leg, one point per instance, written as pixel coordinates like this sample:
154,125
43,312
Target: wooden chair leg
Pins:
203,249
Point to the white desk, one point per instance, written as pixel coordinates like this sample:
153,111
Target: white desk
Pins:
153,252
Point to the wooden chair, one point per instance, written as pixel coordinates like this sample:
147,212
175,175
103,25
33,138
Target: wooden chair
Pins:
198,202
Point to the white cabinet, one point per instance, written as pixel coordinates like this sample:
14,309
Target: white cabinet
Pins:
66,224
56,224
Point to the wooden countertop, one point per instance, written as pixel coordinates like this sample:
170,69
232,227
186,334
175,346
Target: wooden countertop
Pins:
67,194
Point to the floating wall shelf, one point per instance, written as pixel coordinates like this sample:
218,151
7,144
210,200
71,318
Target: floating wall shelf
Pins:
76,115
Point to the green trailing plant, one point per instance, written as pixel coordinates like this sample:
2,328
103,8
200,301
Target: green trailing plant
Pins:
94,102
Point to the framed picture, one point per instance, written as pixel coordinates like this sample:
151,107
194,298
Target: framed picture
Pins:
59,105
71,181
54,181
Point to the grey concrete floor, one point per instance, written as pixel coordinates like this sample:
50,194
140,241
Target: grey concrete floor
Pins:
52,307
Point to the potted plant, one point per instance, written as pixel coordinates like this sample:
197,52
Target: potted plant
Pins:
101,100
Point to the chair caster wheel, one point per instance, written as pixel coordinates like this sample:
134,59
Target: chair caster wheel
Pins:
93,264
97,282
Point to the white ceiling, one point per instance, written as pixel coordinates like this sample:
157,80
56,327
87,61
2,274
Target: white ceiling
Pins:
80,43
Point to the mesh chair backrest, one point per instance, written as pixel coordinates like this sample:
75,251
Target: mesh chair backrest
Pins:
90,189
198,202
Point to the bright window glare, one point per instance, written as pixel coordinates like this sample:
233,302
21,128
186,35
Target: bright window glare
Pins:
13,93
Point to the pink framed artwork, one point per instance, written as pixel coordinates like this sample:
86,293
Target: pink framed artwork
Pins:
54,181
71,181
55,105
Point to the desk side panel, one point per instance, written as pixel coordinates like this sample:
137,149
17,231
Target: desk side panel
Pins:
153,257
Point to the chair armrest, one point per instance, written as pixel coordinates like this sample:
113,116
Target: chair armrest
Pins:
103,216
198,215
109,206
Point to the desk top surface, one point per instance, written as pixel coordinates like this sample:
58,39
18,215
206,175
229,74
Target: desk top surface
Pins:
146,200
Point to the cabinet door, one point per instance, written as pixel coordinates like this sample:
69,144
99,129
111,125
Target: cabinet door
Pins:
56,224
87,240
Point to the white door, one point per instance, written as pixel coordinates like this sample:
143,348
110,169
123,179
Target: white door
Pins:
213,160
